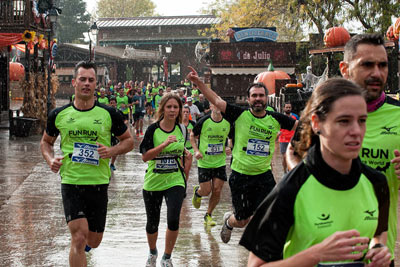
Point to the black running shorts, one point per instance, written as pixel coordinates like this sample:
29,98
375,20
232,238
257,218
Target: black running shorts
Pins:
86,201
207,174
248,191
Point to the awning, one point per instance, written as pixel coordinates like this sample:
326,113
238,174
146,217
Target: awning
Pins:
245,71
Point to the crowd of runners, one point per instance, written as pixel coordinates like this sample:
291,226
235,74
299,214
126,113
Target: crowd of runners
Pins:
335,206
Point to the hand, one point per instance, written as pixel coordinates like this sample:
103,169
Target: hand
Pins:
56,163
396,162
105,152
198,155
193,76
378,256
170,139
228,151
347,245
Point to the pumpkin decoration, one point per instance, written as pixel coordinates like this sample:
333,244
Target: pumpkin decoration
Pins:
390,34
17,71
268,78
396,28
336,36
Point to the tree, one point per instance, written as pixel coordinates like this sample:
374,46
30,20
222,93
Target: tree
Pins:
254,13
125,8
374,16
73,21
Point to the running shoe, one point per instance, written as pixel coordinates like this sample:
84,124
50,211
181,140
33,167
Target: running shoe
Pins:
151,260
112,167
208,220
196,201
166,263
137,133
141,133
225,231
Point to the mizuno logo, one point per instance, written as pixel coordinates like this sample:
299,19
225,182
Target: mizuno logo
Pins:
70,120
370,213
97,122
388,128
94,139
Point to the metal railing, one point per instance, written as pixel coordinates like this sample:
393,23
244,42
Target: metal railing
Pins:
17,16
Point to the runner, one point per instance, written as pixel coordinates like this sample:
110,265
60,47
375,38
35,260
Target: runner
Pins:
139,101
114,140
123,104
303,221
163,147
254,144
286,135
85,127
189,125
365,63
103,99
157,99
212,132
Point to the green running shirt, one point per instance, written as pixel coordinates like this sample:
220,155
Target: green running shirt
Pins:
80,130
165,170
103,100
254,138
188,145
381,139
212,141
123,100
312,202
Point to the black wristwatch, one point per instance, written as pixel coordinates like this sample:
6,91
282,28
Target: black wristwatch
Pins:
378,245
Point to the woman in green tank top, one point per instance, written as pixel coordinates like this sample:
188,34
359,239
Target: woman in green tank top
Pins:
331,210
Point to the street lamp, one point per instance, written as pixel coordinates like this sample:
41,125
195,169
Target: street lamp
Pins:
52,15
94,31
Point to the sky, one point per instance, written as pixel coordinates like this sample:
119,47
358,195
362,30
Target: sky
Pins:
169,7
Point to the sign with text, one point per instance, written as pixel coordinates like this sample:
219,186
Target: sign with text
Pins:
252,54
255,35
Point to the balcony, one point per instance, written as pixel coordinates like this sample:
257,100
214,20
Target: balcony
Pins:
18,16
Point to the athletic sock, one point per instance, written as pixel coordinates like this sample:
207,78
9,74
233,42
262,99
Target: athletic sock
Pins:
87,248
166,256
153,251
197,195
227,225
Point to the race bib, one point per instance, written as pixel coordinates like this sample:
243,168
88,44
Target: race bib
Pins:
343,264
257,147
215,149
166,165
85,154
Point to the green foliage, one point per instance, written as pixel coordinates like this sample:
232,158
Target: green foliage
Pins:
125,8
73,21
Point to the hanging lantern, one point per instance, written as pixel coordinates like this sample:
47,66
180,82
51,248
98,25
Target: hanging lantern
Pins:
17,71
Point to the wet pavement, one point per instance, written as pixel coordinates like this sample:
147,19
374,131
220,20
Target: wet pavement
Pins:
33,231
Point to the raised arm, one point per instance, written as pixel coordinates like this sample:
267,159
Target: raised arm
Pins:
207,92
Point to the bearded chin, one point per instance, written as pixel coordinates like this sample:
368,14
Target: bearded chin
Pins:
258,108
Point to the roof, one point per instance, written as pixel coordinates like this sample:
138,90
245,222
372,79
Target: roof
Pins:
69,71
157,21
245,71
120,53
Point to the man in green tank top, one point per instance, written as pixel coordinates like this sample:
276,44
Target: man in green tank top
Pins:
255,132
212,132
85,128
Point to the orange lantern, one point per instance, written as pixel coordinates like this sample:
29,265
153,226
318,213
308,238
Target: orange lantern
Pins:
268,78
17,71
336,36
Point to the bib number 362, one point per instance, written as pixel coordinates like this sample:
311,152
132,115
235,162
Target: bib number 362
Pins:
85,154
257,147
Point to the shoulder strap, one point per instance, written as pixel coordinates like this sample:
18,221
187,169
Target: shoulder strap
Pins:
184,131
